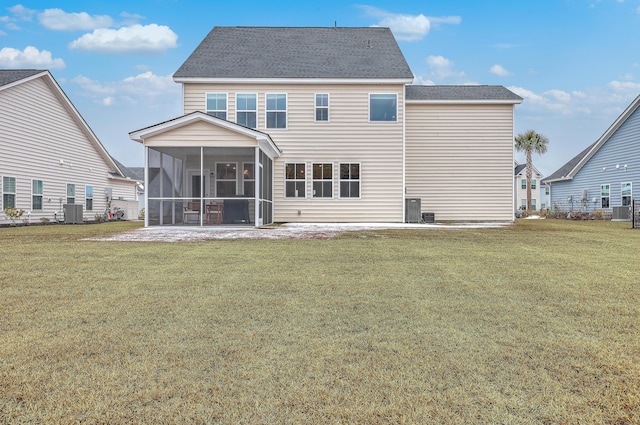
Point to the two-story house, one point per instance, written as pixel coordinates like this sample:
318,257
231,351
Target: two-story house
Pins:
322,125
539,191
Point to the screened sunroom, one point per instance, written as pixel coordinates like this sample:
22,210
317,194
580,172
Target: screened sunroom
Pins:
204,171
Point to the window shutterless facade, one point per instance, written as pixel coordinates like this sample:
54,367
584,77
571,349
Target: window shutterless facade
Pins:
383,107
322,180
217,105
322,107
350,180
276,110
626,194
247,109
36,194
524,184
71,193
8,192
294,180
533,184
88,198
604,196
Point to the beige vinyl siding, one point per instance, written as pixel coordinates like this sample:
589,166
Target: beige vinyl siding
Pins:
200,134
37,131
459,160
348,137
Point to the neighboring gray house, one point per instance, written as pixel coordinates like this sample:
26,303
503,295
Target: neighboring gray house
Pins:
322,125
49,157
604,175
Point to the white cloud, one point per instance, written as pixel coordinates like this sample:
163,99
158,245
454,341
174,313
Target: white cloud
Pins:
442,71
30,57
138,89
625,86
21,12
58,19
407,27
500,71
131,39
558,95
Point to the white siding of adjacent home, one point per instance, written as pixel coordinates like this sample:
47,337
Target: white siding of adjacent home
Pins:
348,137
459,160
38,130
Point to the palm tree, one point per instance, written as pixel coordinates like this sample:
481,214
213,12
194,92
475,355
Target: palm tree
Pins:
530,142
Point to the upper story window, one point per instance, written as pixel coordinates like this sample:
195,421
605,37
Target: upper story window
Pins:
383,107
276,110
294,180
217,105
604,196
71,193
246,110
533,184
546,190
524,184
36,194
8,192
322,107
626,194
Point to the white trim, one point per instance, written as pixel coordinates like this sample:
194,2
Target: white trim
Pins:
284,194
369,108
313,81
464,102
286,112
350,180
86,197
315,107
226,101
333,180
247,110
37,194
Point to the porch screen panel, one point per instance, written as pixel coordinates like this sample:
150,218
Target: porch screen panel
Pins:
154,184
266,188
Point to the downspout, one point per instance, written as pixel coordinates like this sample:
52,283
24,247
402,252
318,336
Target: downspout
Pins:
404,155
146,185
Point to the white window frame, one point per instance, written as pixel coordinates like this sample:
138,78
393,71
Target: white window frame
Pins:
235,180
35,194
322,180
622,195
523,184
71,185
320,107
608,197
214,112
395,118
88,198
254,111
4,191
296,180
267,111
350,180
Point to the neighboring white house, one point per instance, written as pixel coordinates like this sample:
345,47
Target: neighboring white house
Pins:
539,191
49,157
322,125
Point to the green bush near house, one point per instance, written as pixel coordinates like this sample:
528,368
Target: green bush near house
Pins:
533,323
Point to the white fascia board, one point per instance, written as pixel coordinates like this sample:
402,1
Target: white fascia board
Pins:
184,80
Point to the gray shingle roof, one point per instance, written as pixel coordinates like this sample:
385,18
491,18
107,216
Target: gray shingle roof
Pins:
462,93
8,76
297,52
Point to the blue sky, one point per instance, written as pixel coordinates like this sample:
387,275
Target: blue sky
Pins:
576,63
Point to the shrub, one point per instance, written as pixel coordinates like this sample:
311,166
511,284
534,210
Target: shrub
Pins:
13,214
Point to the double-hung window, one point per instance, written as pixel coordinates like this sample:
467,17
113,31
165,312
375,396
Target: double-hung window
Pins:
88,197
226,176
322,180
383,107
322,107
8,192
217,105
533,204
350,180
626,194
276,110
533,184
246,110
604,196
524,184
36,194
71,193
294,180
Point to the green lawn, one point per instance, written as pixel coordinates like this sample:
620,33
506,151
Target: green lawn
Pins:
536,323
